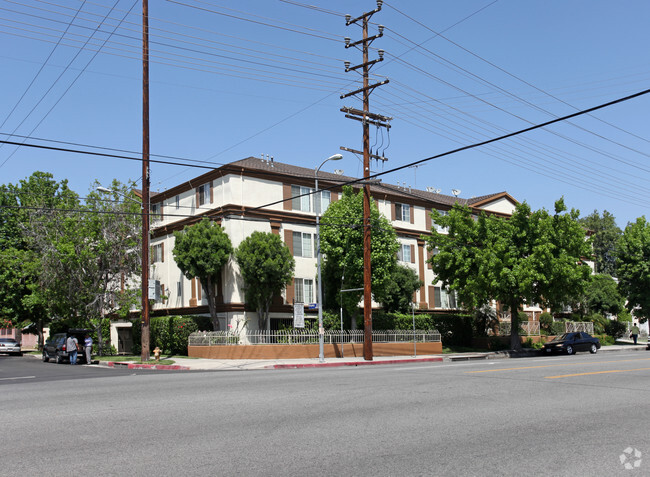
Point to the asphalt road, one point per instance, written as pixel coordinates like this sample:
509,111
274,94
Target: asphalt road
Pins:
574,415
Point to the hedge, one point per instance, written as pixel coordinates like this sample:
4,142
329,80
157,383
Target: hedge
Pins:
170,333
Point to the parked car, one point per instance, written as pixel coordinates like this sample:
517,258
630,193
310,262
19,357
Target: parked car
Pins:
55,348
10,345
570,343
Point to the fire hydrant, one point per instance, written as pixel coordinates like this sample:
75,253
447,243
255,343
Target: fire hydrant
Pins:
156,353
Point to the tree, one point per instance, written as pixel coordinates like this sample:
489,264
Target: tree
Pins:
397,293
87,254
22,296
602,296
341,229
633,266
531,257
266,265
604,240
201,251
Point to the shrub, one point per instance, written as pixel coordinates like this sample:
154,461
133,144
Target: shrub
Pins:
615,329
455,330
558,327
606,340
546,322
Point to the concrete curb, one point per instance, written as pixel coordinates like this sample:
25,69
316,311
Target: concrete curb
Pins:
351,363
162,367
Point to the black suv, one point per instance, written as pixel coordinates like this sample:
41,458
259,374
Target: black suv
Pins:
54,347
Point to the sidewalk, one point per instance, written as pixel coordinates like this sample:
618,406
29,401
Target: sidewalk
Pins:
187,364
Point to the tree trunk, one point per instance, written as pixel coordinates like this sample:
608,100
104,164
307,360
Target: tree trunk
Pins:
515,342
100,339
209,291
263,314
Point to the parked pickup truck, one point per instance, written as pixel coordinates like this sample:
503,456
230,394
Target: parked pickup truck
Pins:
55,348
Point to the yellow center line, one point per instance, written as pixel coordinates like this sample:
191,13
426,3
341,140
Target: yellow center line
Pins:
596,372
553,365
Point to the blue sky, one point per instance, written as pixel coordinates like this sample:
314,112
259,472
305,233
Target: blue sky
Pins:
236,79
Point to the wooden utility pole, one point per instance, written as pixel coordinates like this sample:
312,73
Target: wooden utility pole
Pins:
145,181
366,119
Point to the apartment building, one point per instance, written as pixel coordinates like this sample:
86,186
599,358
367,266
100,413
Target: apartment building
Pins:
255,194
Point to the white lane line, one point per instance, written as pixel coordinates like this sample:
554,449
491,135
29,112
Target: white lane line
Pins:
18,377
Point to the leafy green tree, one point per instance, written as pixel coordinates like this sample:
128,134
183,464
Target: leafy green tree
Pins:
604,240
87,253
22,297
397,293
633,266
602,296
341,229
266,265
201,250
531,257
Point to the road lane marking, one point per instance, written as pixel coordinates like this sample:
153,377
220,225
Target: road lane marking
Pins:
554,365
596,372
18,377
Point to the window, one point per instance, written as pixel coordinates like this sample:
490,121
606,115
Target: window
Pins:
156,212
444,298
204,194
157,253
304,290
302,245
403,212
323,199
438,227
404,253
179,289
177,201
301,203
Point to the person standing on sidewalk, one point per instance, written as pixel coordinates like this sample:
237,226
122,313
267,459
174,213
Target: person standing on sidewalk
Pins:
634,333
88,347
71,345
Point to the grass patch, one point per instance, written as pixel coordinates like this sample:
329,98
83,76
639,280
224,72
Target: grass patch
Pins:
134,359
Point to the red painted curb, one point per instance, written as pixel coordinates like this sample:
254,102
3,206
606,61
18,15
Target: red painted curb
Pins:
165,367
352,363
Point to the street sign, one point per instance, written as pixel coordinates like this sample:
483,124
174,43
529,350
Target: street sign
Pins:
313,306
298,315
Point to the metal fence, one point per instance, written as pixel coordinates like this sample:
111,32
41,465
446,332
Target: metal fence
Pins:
297,336
526,328
573,326
213,338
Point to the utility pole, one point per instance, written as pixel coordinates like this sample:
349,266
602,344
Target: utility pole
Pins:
366,118
145,181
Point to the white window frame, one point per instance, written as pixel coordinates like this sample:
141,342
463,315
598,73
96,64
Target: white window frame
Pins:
322,199
445,299
204,194
404,253
303,290
156,253
303,203
403,212
303,245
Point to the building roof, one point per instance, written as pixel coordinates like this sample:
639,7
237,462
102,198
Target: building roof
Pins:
378,189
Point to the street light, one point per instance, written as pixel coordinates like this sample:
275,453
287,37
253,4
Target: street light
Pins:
321,332
144,342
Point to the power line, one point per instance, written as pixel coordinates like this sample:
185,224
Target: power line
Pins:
255,21
478,144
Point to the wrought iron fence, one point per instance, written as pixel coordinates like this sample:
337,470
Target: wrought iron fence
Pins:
298,336
573,326
526,328
213,338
